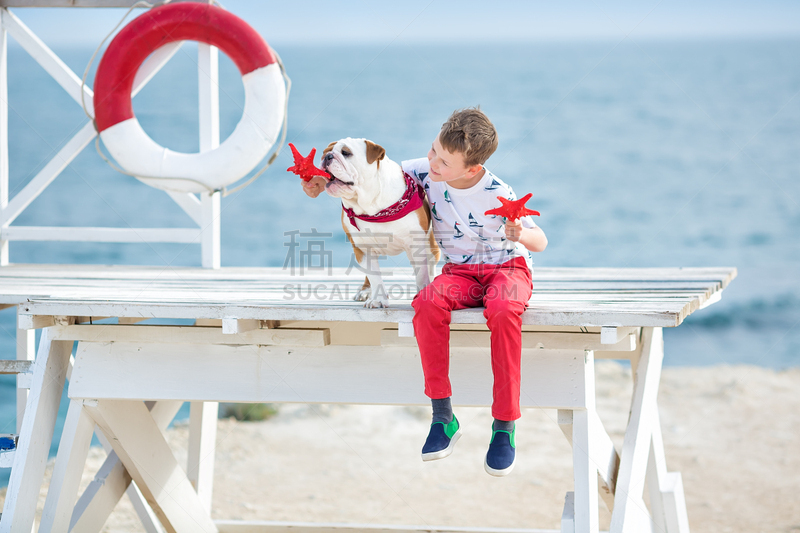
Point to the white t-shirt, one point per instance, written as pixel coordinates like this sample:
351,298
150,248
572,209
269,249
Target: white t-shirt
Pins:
464,233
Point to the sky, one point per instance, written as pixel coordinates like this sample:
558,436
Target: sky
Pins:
459,21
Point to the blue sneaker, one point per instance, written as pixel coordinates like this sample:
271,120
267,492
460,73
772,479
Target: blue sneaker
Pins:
441,440
501,454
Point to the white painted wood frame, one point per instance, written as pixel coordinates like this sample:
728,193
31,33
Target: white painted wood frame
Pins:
339,352
35,434
205,214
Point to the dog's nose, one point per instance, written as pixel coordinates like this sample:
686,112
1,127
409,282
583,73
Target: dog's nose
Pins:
329,156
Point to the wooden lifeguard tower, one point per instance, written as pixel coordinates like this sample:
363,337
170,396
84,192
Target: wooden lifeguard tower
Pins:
250,343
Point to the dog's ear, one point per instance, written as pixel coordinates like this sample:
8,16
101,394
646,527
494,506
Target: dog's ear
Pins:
329,148
375,152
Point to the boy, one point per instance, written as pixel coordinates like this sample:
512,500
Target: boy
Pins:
488,265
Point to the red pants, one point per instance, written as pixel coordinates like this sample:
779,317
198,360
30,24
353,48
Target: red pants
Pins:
504,290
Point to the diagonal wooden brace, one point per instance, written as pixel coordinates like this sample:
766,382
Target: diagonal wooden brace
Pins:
630,514
141,447
112,481
608,459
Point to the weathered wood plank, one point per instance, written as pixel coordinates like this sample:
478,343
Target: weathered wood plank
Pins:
193,334
347,374
129,235
11,366
620,315
256,526
530,341
562,297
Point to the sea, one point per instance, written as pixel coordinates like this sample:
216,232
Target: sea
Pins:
639,154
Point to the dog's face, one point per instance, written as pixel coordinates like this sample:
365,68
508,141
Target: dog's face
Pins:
354,165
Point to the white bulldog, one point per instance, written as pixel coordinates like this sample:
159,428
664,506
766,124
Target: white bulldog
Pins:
384,213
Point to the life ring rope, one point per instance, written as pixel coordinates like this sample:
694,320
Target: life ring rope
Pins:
225,191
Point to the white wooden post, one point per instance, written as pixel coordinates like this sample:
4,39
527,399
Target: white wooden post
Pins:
203,415
36,434
70,460
208,80
26,351
584,457
3,135
202,445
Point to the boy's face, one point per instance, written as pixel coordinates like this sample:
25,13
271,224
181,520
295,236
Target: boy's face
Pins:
448,166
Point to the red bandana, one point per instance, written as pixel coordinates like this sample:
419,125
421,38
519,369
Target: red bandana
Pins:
412,199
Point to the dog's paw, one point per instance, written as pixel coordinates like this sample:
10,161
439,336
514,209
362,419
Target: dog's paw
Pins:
377,303
362,295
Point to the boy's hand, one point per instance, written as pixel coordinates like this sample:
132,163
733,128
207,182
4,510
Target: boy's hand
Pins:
314,186
513,230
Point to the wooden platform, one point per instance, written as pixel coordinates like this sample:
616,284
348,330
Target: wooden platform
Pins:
650,297
265,335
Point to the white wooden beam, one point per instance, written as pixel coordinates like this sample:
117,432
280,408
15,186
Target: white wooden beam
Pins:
72,234
208,86
51,170
614,335
35,435
112,481
11,366
193,335
54,66
585,459
3,134
531,340
127,370
146,455
28,322
202,445
264,526
26,351
629,511
210,227
73,449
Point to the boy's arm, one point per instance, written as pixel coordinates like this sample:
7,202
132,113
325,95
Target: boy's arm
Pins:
533,239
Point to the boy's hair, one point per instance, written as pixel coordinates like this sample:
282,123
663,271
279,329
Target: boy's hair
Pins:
470,133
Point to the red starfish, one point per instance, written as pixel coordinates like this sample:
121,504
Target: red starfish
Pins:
513,209
304,166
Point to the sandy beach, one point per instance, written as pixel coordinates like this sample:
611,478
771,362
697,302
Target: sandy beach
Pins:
731,431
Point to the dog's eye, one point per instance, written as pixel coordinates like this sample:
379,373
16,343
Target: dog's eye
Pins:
346,153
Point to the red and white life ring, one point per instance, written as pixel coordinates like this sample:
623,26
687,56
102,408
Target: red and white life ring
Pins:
141,156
